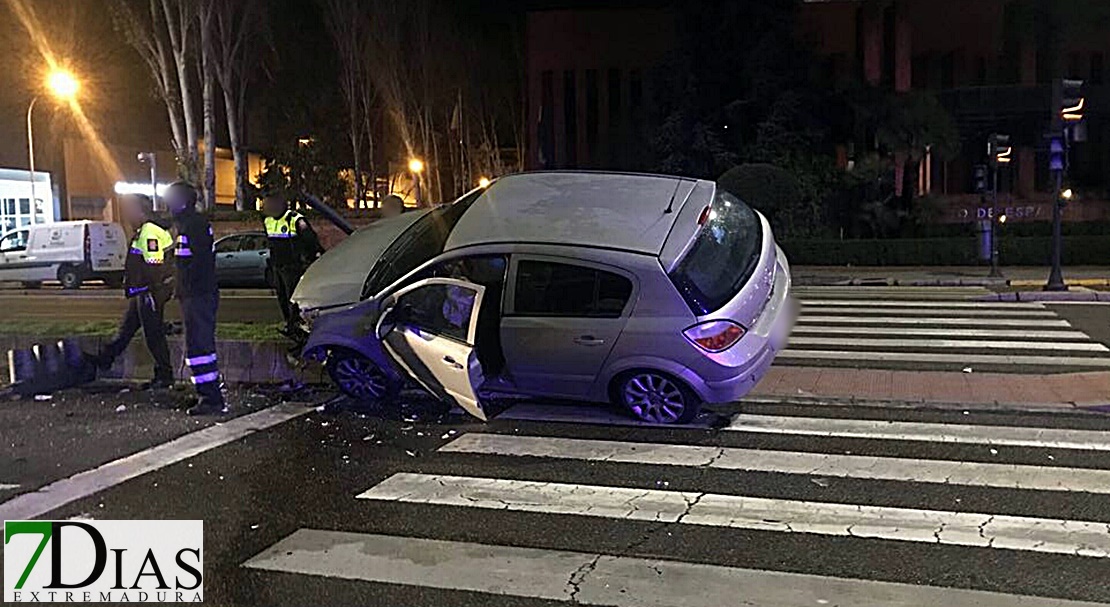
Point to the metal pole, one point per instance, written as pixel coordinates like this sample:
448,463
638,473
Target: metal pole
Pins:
1056,276
995,272
154,181
31,154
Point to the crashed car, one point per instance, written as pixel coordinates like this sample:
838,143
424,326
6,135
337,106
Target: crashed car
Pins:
656,293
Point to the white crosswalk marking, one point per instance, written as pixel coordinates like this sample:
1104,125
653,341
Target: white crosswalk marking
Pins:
974,474
593,579
742,512
891,327
489,489
1013,436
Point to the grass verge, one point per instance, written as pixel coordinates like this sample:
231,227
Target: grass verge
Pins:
239,331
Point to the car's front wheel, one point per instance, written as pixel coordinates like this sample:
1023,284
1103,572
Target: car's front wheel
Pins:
655,397
359,377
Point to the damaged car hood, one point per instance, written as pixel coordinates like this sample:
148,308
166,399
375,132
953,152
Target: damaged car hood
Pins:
336,279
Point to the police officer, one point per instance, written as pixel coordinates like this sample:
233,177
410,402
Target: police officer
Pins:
198,295
145,275
293,246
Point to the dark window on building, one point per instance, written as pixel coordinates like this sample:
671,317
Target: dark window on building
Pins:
591,117
1074,70
570,119
1096,68
948,70
980,71
546,135
559,289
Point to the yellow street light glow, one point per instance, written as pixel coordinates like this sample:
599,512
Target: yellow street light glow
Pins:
483,182
416,165
62,84
1067,194
1002,219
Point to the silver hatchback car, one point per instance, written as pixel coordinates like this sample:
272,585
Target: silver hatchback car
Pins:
657,293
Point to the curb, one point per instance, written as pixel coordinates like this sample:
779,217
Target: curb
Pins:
1050,296
240,361
1076,408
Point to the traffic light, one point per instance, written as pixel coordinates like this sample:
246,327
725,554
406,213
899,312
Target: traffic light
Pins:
1072,101
1056,155
999,150
979,179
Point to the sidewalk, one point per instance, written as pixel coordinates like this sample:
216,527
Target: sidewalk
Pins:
950,276
1066,390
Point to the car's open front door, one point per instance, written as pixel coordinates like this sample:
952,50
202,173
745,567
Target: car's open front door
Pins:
429,329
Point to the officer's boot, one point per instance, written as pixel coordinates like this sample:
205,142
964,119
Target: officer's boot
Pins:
210,400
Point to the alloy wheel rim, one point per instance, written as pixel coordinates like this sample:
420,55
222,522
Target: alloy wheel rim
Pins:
360,378
654,398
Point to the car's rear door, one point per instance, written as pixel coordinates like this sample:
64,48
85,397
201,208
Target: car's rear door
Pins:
229,265
561,320
429,330
254,252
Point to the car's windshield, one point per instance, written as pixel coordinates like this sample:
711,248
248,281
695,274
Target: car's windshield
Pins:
722,258
422,241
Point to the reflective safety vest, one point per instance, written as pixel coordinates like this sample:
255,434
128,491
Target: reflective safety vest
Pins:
143,268
151,242
284,226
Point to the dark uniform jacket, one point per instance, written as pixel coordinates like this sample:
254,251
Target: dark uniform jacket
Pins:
194,257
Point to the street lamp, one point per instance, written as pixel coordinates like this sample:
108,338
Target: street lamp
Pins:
151,159
483,182
63,85
416,166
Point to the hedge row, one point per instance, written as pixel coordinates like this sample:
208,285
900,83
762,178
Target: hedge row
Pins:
1015,251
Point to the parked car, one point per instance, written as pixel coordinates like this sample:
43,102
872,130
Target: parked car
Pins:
70,252
241,260
657,293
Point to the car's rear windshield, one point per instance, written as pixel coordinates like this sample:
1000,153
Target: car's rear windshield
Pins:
422,241
722,258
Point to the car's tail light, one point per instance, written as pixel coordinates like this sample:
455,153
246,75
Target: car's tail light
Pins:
715,335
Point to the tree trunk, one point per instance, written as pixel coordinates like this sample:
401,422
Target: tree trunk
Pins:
179,42
209,93
234,131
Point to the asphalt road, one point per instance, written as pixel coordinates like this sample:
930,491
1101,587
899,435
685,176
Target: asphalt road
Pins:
283,525
236,305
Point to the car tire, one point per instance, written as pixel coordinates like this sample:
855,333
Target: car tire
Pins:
360,378
70,277
655,397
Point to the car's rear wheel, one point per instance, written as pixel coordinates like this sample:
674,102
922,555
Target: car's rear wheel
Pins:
655,397
359,377
70,277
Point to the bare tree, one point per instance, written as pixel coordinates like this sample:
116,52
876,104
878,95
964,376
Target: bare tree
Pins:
143,24
240,40
180,19
208,97
347,23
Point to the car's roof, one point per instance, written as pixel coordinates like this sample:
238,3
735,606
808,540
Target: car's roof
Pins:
623,211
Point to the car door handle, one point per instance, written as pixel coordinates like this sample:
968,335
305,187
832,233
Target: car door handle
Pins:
450,361
588,340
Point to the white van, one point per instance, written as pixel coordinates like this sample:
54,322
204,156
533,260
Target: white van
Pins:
70,252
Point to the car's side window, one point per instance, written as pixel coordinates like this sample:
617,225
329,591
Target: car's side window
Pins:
558,289
14,242
253,242
439,309
228,245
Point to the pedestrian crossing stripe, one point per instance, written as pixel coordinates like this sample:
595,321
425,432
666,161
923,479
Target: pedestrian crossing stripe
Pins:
592,578
938,332
882,303
957,359
969,344
972,474
931,320
918,311
1010,436
1081,538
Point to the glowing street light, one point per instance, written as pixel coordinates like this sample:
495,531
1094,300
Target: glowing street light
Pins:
416,166
483,182
63,85
1067,194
